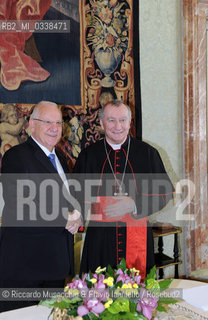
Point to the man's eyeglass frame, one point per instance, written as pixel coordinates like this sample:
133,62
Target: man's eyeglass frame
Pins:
50,123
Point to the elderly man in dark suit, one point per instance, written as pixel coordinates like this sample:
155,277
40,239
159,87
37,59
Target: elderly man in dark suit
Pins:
36,248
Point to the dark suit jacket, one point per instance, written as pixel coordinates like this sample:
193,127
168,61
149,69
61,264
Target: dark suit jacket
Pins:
33,249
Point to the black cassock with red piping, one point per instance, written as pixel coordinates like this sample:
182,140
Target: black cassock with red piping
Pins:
146,181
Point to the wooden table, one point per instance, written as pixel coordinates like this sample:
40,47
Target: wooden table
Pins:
161,259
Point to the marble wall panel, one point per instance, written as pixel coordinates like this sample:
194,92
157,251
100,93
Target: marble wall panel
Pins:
195,129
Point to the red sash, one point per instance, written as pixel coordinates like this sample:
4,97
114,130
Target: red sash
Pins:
136,238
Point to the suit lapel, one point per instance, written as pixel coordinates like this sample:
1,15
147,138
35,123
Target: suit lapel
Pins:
41,157
62,162
45,161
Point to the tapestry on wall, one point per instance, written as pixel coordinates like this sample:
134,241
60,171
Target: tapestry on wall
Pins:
53,65
40,51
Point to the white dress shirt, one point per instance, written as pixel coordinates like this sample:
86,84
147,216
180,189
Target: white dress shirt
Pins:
58,164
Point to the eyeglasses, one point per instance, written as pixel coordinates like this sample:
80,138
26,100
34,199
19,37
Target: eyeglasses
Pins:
50,123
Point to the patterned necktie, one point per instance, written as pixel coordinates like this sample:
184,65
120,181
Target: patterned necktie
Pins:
52,159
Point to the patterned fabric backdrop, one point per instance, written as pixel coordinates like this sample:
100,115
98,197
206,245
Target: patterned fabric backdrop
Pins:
80,76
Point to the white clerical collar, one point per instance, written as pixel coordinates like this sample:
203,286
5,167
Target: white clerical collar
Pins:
115,146
45,150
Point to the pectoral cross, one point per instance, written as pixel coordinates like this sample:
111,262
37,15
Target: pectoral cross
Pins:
120,193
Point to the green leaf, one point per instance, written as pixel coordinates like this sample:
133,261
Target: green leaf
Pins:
141,317
92,316
161,308
106,315
151,274
131,316
122,265
168,300
62,305
52,310
120,305
118,284
89,283
72,312
47,303
109,271
164,284
152,284
161,305
132,306
128,272
72,300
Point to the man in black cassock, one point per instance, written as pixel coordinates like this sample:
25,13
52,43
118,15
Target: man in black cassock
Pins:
140,187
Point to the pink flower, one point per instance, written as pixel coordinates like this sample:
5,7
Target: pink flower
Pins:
101,277
147,303
92,305
82,311
94,275
100,285
98,308
123,277
84,276
119,271
137,279
77,284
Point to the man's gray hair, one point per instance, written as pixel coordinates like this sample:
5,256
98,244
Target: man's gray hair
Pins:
114,103
35,112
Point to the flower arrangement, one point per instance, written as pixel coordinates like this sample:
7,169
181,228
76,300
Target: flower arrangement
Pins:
107,24
112,294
